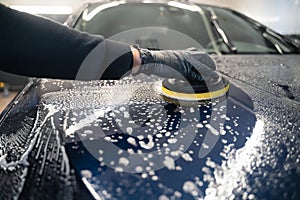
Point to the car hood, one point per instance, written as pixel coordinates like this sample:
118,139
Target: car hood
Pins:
275,74
122,140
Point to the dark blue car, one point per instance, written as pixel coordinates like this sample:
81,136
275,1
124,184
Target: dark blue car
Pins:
121,139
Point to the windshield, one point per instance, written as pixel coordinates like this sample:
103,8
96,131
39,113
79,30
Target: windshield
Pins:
245,36
195,26
124,17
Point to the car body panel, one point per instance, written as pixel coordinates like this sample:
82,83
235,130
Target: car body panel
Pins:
275,74
122,140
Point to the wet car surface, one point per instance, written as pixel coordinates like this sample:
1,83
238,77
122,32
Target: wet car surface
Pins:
122,140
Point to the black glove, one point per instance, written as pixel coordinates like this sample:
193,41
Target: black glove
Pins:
192,64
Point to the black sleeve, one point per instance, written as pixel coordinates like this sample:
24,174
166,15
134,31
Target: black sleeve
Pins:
35,46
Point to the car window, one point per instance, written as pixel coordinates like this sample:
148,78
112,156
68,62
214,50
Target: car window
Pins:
114,20
190,28
246,37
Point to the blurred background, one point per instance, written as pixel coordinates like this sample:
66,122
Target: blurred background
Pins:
280,15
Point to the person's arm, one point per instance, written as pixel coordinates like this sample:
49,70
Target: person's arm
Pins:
35,46
39,47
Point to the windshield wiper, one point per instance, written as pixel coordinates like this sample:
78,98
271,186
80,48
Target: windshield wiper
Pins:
225,38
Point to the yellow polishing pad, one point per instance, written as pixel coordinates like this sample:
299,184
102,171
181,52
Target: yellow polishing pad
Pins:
201,91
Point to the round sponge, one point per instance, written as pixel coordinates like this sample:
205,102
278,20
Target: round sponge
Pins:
195,91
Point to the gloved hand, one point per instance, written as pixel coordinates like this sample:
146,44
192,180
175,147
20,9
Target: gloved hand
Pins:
192,64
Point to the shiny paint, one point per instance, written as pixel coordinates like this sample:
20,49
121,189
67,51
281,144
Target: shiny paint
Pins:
122,140
256,133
